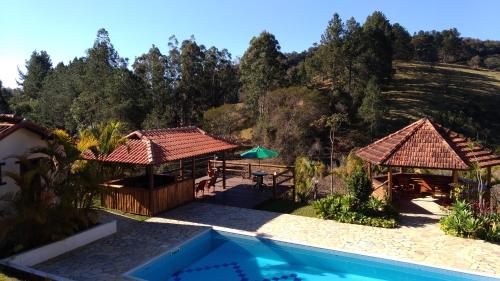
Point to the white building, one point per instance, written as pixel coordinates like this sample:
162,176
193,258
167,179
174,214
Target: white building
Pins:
17,137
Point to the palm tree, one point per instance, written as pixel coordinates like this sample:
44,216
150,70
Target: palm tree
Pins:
99,140
307,174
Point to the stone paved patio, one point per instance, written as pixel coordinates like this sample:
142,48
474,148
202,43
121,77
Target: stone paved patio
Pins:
418,240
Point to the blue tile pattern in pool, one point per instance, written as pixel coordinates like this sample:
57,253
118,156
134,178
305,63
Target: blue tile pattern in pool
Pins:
223,256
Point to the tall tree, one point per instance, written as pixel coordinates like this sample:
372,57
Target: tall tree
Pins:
191,86
352,48
373,107
331,51
151,68
99,63
261,70
403,50
222,77
378,46
425,49
333,123
57,95
451,45
37,68
4,99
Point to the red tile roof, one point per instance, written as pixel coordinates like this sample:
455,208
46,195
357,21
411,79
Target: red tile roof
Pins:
154,147
425,144
10,123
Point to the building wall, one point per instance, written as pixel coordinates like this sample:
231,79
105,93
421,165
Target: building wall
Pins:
17,143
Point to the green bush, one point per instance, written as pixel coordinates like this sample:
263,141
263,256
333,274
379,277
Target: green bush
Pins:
346,208
464,222
40,226
359,186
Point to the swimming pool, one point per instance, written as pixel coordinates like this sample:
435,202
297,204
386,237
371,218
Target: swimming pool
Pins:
223,256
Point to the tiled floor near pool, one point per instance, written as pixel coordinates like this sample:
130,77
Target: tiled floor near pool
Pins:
418,240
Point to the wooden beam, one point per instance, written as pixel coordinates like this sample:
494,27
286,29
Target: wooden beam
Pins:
454,176
193,173
223,170
151,176
274,185
181,169
369,170
389,183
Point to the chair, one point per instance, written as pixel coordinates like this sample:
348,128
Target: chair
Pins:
201,186
213,175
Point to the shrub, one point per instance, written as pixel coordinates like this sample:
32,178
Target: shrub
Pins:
346,208
463,221
359,186
307,172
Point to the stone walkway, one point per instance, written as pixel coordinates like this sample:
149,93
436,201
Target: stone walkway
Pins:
419,240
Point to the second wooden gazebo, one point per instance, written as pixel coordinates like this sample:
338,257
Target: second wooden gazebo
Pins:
154,193
426,145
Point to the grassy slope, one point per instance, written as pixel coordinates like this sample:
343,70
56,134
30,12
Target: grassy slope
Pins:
420,90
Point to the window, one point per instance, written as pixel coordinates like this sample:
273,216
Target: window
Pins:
1,174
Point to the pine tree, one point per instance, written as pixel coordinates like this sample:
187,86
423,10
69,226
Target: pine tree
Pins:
403,50
261,70
373,107
377,42
4,99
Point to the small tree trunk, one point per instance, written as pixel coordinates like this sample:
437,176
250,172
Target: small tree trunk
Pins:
332,138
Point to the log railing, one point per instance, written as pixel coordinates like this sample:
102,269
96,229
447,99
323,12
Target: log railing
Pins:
280,175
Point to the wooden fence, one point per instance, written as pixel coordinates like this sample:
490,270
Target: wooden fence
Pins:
148,202
280,174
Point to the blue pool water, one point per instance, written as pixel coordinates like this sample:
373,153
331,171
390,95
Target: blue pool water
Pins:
222,256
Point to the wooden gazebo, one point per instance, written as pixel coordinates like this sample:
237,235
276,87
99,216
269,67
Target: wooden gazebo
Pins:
426,145
154,193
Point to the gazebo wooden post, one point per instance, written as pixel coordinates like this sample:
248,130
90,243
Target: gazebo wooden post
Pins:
151,177
181,169
454,176
369,169
389,183
224,170
193,173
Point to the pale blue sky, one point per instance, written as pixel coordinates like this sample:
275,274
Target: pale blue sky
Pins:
65,29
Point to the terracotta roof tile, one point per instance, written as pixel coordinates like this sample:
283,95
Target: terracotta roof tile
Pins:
424,144
9,123
156,147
